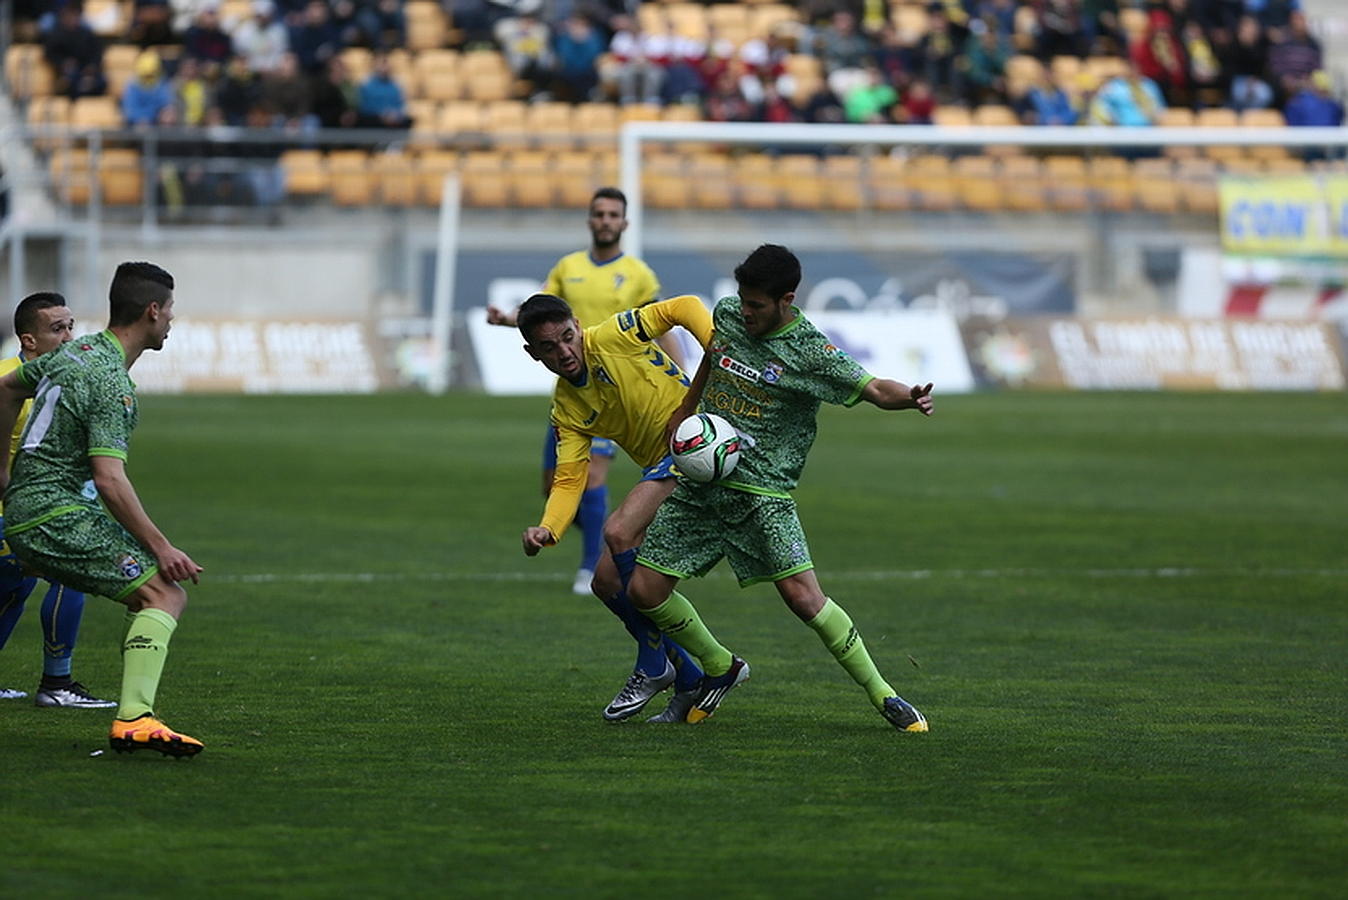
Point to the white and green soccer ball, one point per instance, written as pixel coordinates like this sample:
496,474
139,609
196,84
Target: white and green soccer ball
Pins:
705,447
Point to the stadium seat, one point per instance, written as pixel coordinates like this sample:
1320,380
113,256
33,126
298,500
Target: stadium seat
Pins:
664,184
931,182
1068,188
436,75
464,120
425,116
888,183
550,125
1022,179
396,177
802,186
577,174
484,179
977,184
728,17
427,28
1022,73
119,67
95,113
47,112
1264,118
306,173
1111,182
596,123
350,180
1197,180
1134,22
1285,165
121,177
765,18
72,175
27,73
532,183
688,20
106,18
640,112
431,168
952,117
755,180
506,125
843,182
1242,165
912,22
1154,185
358,62
710,176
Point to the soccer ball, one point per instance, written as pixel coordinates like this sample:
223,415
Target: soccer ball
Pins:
705,447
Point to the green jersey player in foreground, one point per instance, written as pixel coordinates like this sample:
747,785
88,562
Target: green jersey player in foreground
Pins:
72,456
766,371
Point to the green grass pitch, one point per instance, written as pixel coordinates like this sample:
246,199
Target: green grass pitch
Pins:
1125,616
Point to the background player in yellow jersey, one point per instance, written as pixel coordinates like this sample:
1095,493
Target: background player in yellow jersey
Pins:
613,382
596,283
42,322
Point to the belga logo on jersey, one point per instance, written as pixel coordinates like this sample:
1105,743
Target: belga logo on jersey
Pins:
129,567
735,367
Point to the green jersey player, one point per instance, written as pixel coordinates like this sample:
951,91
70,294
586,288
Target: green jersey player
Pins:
766,370
72,513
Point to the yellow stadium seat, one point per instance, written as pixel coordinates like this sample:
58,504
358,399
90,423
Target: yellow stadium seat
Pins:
801,184
306,172
1198,184
396,177
888,185
505,122
596,123
436,75
977,184
844,182
1067,185
550,125
710,177
664,184
120,177
1111,182
358,62
431,168
485,181
930,181
119,67
95,113
27,73
952,117
72,175
577,173
1023,183
755,181
427,27
463,119
350,181
1154,185
531,178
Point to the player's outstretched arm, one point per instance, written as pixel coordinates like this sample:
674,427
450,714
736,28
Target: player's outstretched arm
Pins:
691,399
888,394
121,500
13,391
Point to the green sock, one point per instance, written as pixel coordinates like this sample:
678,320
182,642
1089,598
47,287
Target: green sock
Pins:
143,655
679,620
127,621
842,639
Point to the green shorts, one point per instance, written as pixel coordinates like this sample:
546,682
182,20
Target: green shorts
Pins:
85,549
696,526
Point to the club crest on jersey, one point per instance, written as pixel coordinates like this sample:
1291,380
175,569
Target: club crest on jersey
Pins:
129,567
735,367
618,279
601,375
773,372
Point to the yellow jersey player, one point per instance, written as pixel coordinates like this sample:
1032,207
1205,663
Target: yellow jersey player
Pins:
42,322
595,283
614,382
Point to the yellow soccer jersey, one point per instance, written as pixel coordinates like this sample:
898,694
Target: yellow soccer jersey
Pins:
631,389
595,291
6,366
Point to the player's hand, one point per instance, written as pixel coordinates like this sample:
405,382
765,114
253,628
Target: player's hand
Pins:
178,566
496,317
921,396
536,538
672,425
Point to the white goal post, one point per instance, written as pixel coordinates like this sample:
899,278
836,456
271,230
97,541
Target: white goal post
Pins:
636,134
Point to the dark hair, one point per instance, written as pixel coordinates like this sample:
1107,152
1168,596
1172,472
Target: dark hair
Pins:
771,268
25,314
610,193
537,310
134,287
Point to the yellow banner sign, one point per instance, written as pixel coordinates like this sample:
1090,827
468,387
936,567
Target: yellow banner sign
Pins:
1293,215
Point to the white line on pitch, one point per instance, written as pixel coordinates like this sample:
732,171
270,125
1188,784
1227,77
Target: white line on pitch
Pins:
833,575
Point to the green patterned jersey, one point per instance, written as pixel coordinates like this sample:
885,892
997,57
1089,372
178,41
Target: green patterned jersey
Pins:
770,389
85,405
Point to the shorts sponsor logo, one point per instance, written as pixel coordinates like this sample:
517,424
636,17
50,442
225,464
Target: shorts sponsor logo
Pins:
773,373
129,567
735,367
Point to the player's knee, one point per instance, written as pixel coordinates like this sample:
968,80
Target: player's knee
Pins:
162,594
619,535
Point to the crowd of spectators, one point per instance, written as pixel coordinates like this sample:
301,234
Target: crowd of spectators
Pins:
281,64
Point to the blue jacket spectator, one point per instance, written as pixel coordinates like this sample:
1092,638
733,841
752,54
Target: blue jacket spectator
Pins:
577,47
1128,100
1048,104
380,100
148,93
1314,105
